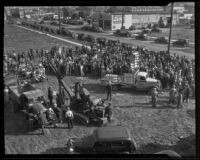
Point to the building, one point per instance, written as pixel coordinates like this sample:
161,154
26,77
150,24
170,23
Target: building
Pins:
113,21
186,18
179,9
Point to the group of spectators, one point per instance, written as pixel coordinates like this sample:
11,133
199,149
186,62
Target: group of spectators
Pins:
102,58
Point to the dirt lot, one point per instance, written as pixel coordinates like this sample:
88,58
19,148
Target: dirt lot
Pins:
153,129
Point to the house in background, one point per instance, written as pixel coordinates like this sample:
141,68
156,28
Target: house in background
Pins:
138,17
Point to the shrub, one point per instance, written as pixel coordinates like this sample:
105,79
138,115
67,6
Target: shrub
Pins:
86,28
36,26
52,30
89,38
80,36
47,29
57,31
42,28
23,23
74,35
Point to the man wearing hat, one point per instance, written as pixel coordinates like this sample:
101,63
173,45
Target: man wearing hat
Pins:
186,93
109,90
172,94
108,112
69,117
180,99
154,97
58,112
50,94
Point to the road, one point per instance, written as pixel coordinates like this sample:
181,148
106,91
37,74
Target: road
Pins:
148,44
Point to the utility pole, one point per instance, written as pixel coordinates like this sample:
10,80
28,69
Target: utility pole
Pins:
122,18
170,31
59,16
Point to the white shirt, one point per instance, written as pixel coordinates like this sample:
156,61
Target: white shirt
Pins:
68,114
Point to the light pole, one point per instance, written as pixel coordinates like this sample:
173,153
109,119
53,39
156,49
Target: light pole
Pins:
170,31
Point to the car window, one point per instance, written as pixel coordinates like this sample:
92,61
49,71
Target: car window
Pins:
142,78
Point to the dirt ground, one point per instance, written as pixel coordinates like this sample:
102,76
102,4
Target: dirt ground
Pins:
153,129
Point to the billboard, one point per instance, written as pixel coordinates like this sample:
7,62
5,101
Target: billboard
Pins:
117,19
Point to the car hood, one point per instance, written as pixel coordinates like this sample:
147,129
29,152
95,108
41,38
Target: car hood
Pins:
151,80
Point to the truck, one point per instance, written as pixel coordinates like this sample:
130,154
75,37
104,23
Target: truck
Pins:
138,80
87,109
22,96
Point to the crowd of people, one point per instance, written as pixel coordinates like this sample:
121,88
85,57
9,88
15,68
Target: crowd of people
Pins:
115,58
101,58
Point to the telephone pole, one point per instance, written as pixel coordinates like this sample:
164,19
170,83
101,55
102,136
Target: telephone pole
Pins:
122,18
59,16
170,31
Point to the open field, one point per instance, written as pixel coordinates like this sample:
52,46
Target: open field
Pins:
22,40
153,129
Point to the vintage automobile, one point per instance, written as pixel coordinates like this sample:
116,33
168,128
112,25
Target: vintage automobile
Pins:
75,22
157,30
104,140
161,40
138,80
181,43
146,31
22,96
142,36
122,33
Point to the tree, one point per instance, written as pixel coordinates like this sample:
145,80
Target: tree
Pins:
66,12
75,16
161,23
15,13
83,14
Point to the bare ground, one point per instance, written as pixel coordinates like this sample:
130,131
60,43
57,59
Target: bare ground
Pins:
153,129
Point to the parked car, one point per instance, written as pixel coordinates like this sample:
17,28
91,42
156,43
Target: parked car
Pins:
75,22
132,27
157,30
181,43
122,33
56,23
161,40
104,140
144,31
141,36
